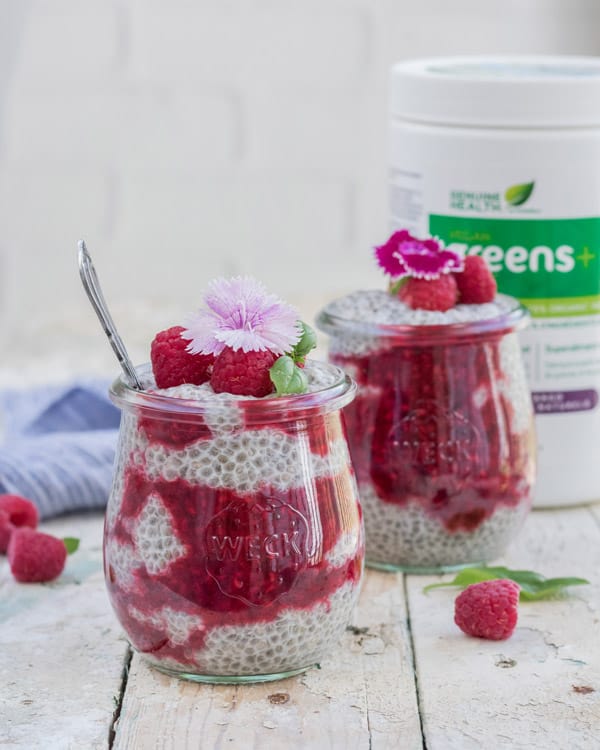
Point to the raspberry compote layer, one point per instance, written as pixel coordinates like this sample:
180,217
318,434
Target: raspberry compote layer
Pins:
233,537
440,432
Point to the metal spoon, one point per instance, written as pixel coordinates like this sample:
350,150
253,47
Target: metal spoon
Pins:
90,282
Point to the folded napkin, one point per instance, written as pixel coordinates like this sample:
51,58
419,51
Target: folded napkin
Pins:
59,445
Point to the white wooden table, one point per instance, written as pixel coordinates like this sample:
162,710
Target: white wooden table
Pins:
404,677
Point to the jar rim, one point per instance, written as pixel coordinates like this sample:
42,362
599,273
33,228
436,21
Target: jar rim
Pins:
267,409
514,318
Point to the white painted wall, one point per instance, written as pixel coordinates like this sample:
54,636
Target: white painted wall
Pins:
189,138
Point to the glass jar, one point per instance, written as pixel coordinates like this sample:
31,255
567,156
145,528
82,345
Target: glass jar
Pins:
441,437
233,545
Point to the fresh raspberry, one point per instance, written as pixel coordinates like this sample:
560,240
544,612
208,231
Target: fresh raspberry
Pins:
488,609
19,511
476,283
172,365
429,294
35,557
6,529
243,373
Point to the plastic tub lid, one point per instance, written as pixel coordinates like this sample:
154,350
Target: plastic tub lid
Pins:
498,91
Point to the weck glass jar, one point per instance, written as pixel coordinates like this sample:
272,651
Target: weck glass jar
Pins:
233,545
441,432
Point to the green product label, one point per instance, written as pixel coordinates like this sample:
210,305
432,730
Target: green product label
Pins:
552,265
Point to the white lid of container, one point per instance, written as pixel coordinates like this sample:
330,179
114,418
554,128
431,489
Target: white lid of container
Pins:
524,91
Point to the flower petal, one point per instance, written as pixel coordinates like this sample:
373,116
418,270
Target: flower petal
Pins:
241,314
405,255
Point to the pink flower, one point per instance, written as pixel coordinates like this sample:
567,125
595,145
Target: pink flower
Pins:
241,314
405,255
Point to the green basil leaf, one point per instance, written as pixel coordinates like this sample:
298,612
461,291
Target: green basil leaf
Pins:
71,543
534,586
299,381
551,587
308,341
396,286
464,578
287,377
281,373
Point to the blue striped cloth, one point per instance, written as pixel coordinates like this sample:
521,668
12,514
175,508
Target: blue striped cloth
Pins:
59,446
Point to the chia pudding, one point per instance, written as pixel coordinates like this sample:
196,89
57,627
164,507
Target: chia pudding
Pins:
233,540
440,432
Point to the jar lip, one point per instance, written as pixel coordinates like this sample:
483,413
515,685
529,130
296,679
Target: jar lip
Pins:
514,318
272,408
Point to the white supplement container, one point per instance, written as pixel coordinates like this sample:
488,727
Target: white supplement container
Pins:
500,157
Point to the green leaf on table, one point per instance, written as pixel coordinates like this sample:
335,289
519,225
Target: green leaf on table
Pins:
549,587
533,585
71,543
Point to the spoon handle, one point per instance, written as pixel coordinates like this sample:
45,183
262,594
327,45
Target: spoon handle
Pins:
90,282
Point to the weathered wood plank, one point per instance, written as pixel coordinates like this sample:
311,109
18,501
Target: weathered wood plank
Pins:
362,697
530,691
61,651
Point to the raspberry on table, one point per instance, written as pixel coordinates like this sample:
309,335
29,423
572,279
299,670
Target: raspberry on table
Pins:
35,557
22,512
476,283
243,373
6,529
430,294
488,609
15,512
173,365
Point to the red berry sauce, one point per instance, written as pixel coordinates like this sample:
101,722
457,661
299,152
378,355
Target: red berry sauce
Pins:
439,449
